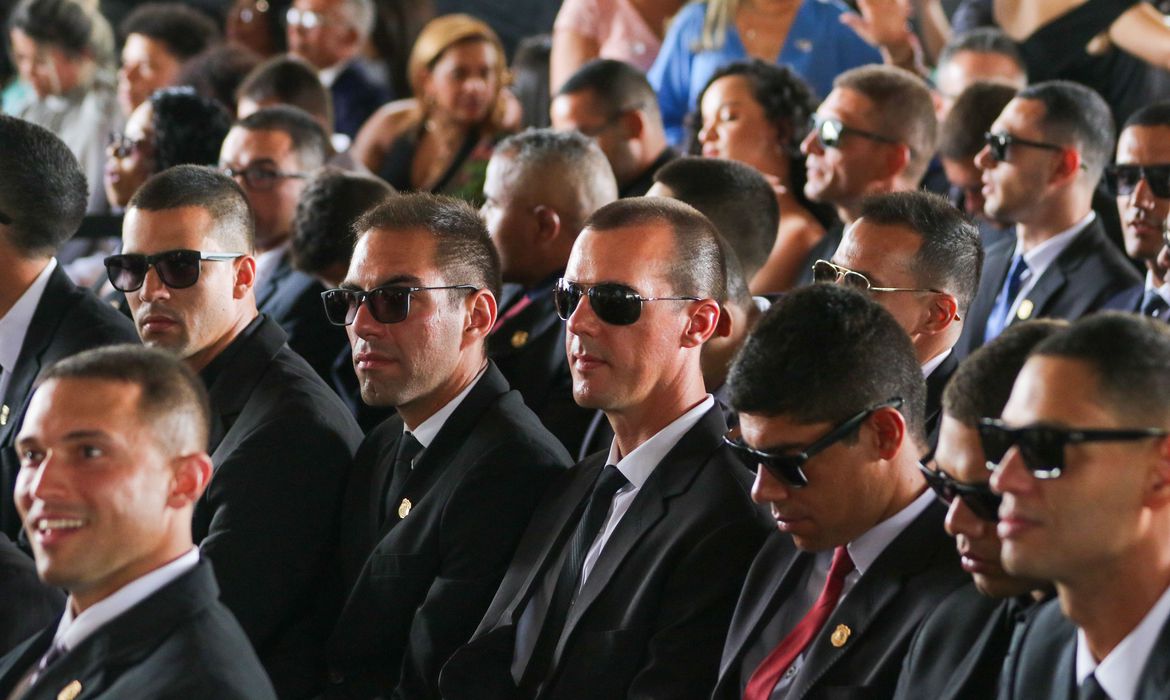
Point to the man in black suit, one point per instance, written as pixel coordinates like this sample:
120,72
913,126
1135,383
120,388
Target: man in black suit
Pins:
859,556
281,441
627,574
1086,504
43,316
1044,157
920,259
112,463
26,604
959,651
1141,180
271,154
540,187
441,493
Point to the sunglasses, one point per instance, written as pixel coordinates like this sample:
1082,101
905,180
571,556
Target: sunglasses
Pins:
982,501
122,146
830,131
389,304
615,304
261,177
177,269
830,273
789,468
1123,179
1042,447
308,19
998,144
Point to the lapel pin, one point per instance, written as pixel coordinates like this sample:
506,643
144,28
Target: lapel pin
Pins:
1026,308
4,414
404,508
840,636
519,338
70,691
804,45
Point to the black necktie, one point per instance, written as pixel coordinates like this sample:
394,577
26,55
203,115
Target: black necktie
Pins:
408,449
569,577
1092,690
55,652
1153,305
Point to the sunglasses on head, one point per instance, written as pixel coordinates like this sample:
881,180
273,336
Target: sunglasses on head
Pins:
789,467
615,304
831,273
1124,179
982,501
998,144
177,269
1042,447
830,131
389,304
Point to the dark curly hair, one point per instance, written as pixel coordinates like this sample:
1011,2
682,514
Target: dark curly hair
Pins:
184,30
188,128
63,23
333,200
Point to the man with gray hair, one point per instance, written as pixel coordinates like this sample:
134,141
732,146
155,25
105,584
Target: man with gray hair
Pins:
540,187
330,34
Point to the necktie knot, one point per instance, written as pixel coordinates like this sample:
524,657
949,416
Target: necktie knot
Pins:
609,482
842,564
408,448
1091,689
1154,305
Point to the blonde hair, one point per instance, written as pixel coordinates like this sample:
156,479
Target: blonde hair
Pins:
716,20
441,34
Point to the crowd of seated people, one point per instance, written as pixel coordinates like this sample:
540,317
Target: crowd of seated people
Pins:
813,349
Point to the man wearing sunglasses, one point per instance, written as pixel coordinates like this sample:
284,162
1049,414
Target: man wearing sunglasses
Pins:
959,650
1085,478
1043,158
858,556
625,579
43,315
1140,179
282,442
440,493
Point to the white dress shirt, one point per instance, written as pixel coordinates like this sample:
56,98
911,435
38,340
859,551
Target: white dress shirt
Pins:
1121,670
1162,290
14,326
1040,258
427,430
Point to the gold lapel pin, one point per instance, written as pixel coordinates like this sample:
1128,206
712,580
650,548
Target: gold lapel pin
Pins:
70,691
1026,308
4,414
404,508
519,338
840,636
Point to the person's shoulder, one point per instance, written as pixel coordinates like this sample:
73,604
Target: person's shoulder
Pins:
397,116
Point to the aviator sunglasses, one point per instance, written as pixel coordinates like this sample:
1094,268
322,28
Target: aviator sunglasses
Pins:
831,273
1124,179
1042,447
389,304
830,131
177,269
789,468
982,501
615,304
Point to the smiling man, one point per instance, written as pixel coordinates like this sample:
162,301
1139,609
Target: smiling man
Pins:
112,462
858,556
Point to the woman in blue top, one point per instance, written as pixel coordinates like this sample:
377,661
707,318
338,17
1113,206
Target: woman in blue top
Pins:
805,35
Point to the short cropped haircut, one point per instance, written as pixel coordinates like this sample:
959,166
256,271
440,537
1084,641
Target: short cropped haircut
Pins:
309,140
822,354
1156,114
980,387
1130,356
173,399
42,189
951,256
66,24
330,204
288,80
574,159
983,40
188,128
183,30
904,110
216,72
1077,116
697,265
974,111
201,186
617,85
464,252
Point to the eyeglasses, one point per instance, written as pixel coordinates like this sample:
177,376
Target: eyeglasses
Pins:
830,132
998,144
1124,179
389,304
121,145
788,468
307,19
615,304
1042,447
261,177
830,273
248,14
982,501
177,269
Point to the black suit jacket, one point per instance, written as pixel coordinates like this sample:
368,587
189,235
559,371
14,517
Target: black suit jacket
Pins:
179,642
293,299
1081,279
282,445
649,620
26,604
67,320
883,610
936,383
424,581
355,97
1129,299
529,349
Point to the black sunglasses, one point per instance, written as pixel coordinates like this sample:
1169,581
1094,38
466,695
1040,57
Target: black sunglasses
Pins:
982,501
616,304
789,467
1123,179
389,304
177,269
261,177
830,131
998,144
1042,447
121,145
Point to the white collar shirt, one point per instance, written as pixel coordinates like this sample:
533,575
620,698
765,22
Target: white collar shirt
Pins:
426,431
1120,672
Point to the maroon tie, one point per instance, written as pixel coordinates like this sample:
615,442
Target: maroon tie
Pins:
765,678
512,312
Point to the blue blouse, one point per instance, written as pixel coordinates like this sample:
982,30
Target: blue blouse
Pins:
818,48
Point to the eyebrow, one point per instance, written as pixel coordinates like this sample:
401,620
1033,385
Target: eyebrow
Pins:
74,436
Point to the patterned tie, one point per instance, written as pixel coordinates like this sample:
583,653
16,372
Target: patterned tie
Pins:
767,675
408,449
1092,690
1153,305
998,319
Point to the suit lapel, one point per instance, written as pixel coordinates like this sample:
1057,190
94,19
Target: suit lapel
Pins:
1001,623
995,269
268,286
20,660
1156,675
251,354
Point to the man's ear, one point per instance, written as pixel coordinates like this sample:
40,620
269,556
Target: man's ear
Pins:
703,322
940,313
245,276
898,159
888,430
1158,489
1068,166
548,223
191,474
633,123
480,316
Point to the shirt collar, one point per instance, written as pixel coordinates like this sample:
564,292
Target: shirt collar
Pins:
1121,670
427,430
1042,256
640,464
1163,290
268,261
14,324
328,76
933,363
865,550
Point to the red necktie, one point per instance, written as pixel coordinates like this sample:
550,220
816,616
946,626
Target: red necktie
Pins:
765,678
